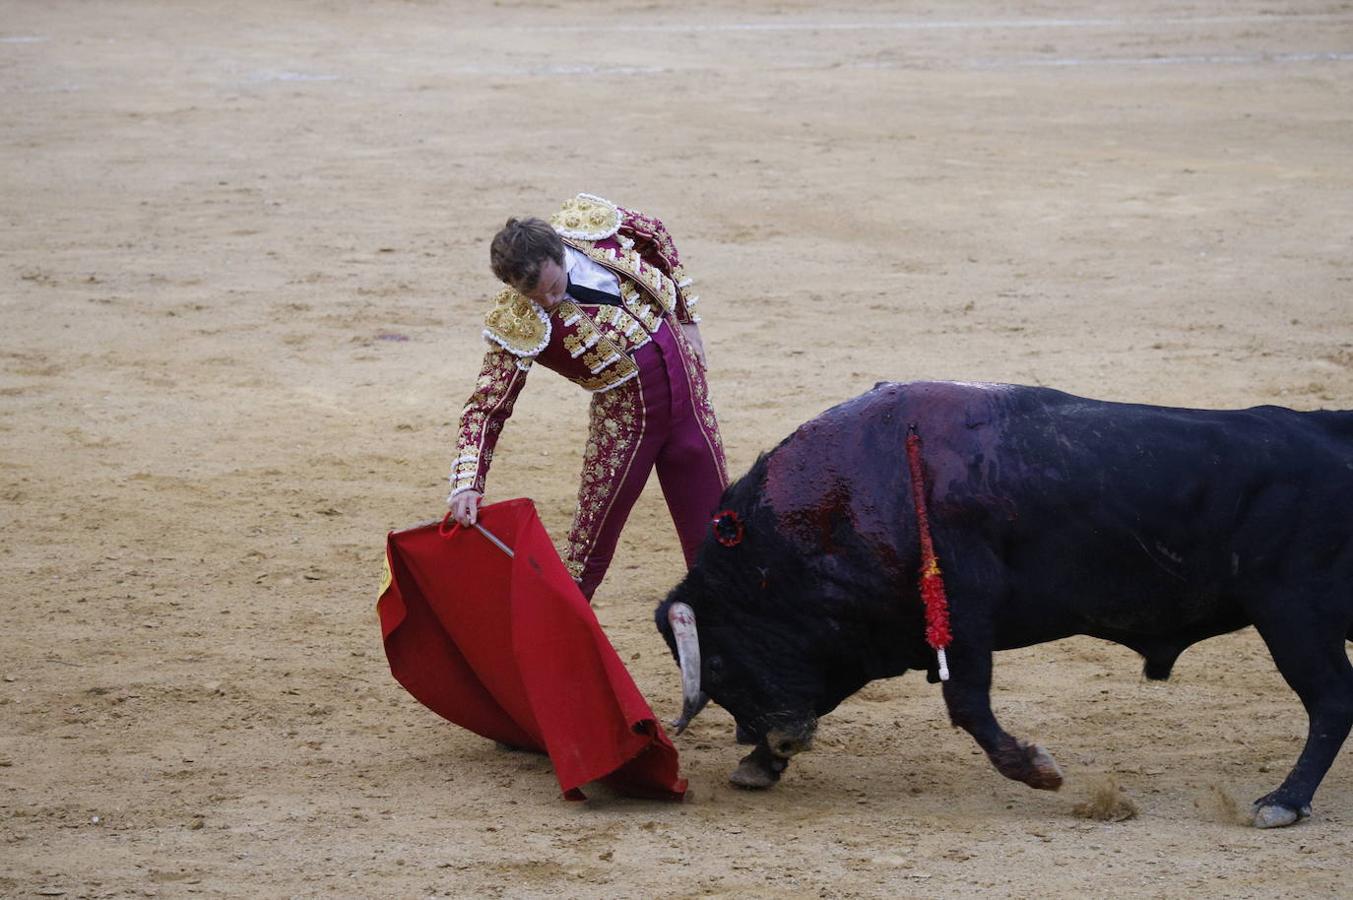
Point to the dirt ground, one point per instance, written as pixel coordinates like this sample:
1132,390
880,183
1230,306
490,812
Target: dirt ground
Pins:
243,258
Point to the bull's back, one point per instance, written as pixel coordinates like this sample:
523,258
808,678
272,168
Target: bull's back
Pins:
1141,516
1147,519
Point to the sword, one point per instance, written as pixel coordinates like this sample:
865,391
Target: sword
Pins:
494,539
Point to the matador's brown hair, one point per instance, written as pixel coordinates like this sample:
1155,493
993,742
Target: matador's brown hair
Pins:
519,250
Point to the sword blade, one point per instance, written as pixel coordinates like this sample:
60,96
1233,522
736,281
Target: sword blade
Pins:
494,538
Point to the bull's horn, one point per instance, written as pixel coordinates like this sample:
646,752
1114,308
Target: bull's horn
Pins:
682,619
688,713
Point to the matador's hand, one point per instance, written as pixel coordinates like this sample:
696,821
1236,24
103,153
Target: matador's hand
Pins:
465,507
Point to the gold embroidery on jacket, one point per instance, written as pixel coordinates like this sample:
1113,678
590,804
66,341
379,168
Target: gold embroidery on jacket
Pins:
611,334
641,306
481,421
587,217
622,371
583,339
602,357
517,325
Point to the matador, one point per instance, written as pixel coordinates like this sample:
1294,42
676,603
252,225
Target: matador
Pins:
598,294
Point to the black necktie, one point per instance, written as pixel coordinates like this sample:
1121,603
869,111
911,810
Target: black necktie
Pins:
591,295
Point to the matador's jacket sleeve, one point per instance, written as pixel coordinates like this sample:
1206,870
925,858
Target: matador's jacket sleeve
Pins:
481,422
657,248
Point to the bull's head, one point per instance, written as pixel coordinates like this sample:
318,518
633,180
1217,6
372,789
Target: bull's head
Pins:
769,622
754,671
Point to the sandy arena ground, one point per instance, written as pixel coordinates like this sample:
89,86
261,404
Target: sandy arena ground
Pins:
243,262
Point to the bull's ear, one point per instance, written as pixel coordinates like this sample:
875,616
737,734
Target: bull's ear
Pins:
727,527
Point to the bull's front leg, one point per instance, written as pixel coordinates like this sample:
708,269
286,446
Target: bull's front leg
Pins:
967,694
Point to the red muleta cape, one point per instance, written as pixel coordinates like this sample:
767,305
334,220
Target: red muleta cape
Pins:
510,649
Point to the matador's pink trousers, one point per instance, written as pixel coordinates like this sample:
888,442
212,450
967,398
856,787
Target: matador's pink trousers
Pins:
661,418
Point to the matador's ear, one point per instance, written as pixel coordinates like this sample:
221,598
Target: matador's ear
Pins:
728,529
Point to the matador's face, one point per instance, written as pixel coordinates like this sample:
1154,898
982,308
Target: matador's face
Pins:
550,286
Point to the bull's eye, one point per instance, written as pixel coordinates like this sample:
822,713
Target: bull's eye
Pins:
715,666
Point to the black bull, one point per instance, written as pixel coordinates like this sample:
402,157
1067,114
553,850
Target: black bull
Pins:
1052,516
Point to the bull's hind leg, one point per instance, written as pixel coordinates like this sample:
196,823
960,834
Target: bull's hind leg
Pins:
967,694
1310,655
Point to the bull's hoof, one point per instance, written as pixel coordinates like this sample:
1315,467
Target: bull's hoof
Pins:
753,777
758,770
1044,773
1275,815
1028,763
